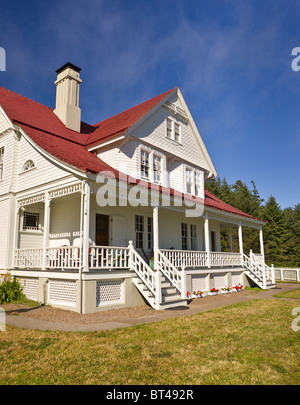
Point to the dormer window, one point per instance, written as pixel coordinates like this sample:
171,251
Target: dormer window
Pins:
173,130
28,166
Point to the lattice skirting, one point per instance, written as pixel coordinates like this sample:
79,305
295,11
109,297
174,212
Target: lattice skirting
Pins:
109,292
62,292
30,288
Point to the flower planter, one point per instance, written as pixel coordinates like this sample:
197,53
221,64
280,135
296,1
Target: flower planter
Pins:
213,293
225,292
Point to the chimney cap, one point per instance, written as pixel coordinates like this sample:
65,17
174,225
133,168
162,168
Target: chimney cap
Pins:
68,65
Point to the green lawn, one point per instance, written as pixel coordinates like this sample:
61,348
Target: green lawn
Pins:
249,343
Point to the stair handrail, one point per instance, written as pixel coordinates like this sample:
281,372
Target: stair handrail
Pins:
176,277
148,276
253,268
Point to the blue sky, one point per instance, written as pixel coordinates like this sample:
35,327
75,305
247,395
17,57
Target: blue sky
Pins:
230,58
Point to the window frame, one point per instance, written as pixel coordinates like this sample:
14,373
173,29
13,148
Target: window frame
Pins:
25,170
173,130
195,180
29,228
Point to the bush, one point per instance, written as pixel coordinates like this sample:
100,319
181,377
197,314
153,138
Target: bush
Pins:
10,290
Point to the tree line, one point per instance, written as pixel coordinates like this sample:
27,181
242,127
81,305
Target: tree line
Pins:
281,232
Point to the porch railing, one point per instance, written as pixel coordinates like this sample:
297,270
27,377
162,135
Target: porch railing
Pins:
109,257
191,258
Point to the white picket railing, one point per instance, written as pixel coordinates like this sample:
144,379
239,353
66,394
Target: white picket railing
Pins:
64,257
175,276
192,258
187,258
28,258
225,259
108,257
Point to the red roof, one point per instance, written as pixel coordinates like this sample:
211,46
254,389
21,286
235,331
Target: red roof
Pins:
49,133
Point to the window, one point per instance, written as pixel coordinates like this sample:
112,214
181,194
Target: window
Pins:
184,236
31,221
139,231
177,132
188,237
197,183
150,232
169,128
145,164
193,182
189,181
156,169
193,237
173,130
28,165
1,162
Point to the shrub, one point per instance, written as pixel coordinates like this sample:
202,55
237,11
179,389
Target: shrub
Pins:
10,290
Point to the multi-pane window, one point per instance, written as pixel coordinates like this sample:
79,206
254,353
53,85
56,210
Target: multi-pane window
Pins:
1,162
169,128
188,237
28,165
150,232
189,181
31,221
139,231
156,169
173,130
197,183
193,182
145,164
177,132
184,236
193,237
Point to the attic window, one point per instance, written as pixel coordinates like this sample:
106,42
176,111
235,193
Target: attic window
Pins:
173,130
28,166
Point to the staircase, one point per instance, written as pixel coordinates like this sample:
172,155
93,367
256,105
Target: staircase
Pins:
259,272
159,290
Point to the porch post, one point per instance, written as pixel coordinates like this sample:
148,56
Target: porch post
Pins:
16,236
241,240
155,237
86,227
206,237
46,230
261,239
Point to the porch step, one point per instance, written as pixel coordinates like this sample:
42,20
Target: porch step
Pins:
258,282
171,298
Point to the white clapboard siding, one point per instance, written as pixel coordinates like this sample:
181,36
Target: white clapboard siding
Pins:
4,209
44,171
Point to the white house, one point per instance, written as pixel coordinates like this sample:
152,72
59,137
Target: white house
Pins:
113,214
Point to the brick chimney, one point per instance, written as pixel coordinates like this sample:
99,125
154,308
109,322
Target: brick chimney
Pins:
67,96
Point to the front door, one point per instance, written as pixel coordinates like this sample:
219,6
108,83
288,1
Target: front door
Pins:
102,230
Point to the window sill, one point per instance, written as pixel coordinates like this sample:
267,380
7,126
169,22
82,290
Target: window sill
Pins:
175,142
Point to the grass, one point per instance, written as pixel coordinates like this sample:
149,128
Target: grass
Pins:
248,343
295,294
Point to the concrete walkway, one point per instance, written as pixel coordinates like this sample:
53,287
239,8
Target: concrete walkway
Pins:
196,306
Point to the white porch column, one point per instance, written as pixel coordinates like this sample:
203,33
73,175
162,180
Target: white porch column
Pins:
206,237
241,240
155,237
46,230
86,227
261,239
